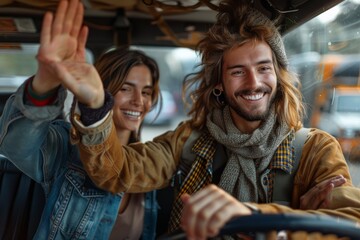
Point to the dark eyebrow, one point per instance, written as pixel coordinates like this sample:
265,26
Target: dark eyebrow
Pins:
265,62
258,63
149,87
133,85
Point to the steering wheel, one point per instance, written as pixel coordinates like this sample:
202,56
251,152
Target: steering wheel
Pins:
262,223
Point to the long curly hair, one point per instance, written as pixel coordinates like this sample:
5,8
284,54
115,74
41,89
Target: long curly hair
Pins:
238,23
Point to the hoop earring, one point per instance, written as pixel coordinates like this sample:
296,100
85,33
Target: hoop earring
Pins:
217,92
219,96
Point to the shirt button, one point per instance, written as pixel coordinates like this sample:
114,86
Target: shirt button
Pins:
265,182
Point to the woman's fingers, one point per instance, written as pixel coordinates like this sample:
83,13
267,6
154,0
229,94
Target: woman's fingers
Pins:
57,27
45,36
319,196
338,180
81,52
73,12
82,80
77,20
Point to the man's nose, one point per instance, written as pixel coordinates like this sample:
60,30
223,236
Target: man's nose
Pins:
252,79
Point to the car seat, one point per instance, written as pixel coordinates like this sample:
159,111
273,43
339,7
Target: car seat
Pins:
22,201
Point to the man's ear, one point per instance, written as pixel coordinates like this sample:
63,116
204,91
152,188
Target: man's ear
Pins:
219,86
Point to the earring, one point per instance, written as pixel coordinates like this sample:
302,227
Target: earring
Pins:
217,92
219,96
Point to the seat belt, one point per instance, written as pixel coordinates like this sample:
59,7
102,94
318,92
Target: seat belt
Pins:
284,182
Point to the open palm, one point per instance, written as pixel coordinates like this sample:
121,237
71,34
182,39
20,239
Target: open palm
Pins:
63,38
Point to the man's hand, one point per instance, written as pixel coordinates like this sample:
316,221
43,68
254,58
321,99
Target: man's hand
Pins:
62,38
320,195
207,211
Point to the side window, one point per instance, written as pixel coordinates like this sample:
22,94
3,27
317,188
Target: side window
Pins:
17,63
325,53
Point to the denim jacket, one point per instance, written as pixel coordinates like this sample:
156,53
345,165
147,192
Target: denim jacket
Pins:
37,142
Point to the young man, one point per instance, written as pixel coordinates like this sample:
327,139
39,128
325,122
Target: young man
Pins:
247,108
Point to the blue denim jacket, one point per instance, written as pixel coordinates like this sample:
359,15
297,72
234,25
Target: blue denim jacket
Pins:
38,144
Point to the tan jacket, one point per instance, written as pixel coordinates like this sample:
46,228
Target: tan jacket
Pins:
143,167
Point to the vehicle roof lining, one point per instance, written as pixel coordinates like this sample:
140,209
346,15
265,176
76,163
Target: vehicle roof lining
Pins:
169,21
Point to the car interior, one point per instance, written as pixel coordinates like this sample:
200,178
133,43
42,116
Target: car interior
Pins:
318,35
151,22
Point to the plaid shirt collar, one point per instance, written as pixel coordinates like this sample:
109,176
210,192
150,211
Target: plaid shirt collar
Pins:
205,147
284,156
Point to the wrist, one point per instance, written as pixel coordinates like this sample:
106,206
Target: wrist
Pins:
40,88
98,103
90,116
253,209
37,99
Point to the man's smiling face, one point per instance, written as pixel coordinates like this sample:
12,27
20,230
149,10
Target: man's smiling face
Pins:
249,82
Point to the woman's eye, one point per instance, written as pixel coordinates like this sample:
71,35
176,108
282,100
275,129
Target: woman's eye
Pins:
125,89
147,93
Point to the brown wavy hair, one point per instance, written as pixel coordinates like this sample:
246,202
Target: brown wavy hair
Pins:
236,25
115,64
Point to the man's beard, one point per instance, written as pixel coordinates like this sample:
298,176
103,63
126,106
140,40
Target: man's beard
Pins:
250,116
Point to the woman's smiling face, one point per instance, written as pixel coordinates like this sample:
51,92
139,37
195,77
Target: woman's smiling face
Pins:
133,101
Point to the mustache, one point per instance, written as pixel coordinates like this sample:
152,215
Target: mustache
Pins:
263,89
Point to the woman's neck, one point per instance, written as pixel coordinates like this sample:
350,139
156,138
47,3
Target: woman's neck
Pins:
124,136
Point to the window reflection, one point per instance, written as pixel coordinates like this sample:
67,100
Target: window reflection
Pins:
325,52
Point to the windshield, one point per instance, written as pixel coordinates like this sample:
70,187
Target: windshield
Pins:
325,53
320,51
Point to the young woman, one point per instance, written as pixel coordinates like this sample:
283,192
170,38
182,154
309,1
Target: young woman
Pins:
75,207
132,79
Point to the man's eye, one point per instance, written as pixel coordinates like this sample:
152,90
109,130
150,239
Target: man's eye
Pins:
265,68
237,73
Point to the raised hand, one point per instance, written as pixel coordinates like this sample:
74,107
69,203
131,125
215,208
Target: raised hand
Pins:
320,195
63,38
83,80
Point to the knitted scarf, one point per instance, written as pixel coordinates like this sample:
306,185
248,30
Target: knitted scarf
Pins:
249,155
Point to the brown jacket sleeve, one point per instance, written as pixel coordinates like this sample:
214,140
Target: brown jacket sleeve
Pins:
321,159
136,167
144,167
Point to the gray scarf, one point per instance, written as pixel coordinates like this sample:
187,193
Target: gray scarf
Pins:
249,155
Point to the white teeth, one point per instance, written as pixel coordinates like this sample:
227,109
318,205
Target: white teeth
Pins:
132,113
254,96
